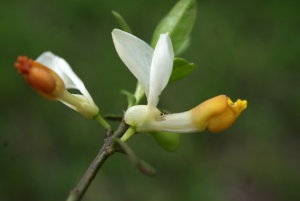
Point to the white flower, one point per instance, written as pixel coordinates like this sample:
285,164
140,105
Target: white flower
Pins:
153,69
51,75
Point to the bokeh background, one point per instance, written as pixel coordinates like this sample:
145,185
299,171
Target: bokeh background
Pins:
245,49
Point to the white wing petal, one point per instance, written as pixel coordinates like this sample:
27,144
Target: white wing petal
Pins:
136,54
63,69
161,68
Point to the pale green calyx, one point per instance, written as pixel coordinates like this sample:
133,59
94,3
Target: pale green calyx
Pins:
141,114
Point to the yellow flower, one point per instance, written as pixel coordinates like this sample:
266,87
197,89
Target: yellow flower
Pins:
51,76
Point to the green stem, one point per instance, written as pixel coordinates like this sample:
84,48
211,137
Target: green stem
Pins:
128,133
139,93
113,117
102,121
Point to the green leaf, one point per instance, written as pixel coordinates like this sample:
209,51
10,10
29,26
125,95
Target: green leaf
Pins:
184,46
124,26
167,140
181,68
178,22
143,166
130,98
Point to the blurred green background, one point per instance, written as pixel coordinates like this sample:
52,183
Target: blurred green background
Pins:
244,49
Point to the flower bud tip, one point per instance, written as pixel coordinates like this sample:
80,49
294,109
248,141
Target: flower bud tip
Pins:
23,64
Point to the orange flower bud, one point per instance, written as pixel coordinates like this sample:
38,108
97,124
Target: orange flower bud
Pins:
40,78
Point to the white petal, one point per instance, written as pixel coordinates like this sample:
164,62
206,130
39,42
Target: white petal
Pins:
178,122
161,68
136,54
63,69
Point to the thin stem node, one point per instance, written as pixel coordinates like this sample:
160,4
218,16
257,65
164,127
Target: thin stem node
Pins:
102,121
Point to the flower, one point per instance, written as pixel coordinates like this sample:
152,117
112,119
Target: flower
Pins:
153,69
51,76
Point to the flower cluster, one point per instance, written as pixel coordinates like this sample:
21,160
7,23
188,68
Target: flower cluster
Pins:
51,76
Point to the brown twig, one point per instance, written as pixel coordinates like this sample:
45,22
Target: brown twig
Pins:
107,150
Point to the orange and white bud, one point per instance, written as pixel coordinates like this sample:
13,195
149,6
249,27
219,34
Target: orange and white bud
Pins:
216,114
51,76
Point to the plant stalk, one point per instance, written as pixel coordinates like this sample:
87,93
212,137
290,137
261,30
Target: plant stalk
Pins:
107,150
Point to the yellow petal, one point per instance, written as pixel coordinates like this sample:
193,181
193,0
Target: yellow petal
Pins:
217,114
207,109
226,118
